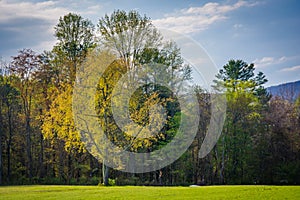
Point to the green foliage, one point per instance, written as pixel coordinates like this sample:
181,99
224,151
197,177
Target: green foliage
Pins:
236,70
243,110
127,34
260,142
75,39
75,35
111,182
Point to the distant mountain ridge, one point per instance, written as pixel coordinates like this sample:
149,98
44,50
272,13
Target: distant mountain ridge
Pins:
289,91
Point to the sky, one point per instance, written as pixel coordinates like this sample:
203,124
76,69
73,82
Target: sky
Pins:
263,32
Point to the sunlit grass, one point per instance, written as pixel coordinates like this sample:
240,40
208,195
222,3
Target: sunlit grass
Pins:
140,192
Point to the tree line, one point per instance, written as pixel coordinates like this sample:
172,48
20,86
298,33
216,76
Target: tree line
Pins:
260,141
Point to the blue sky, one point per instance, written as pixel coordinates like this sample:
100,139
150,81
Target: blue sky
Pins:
264,32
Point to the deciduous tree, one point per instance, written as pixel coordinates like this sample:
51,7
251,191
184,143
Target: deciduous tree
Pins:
23,67
75,38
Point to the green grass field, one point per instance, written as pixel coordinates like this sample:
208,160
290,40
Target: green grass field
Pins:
131,192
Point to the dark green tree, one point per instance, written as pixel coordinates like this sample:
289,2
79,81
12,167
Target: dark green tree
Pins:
9,103
245,93
75,37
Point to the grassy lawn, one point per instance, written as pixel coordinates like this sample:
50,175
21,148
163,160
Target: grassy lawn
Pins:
131,192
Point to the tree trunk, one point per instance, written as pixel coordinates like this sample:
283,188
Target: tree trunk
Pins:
235,159
160,177
41,158
69,177
28,147
9,144
61,160
1,131
222,168
105,169
27,110
105,174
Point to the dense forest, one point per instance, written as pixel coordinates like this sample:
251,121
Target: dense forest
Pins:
39,142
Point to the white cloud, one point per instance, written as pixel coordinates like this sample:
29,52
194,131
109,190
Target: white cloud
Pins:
47,10
237,26
291,69
267,61
196,19
29,24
